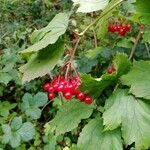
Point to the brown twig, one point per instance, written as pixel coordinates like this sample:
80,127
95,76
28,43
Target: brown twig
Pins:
136,42
95,38
75,48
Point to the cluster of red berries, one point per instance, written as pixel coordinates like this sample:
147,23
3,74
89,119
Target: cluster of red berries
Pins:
68,87
111,69
121,29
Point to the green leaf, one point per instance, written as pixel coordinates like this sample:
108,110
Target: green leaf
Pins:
7,133
42,62
122,64
72,112
146,35
129,6
93,137
15,140
27,131
139,79
93,53
5,78
5,107
48,35
125,42
132,115
95,86
31,104
17,132
91,5
33,112
40,99
50,139
143,9
83,64
16,123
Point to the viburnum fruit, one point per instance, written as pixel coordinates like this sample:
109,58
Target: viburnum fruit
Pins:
88,100
46,87
51,96
67,86
111,69
120,29
81,96
68,95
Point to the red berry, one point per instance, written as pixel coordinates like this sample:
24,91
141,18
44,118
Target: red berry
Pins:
128,27
70,88
122,31
77,91
111,28
81,96
67,95
46,86
50,89
110,71
55,86
115,28
51,96
118,27
61,88
88,100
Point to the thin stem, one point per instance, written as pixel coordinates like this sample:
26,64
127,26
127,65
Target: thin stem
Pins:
95,38
101,16
148,49
67,70
46,105
75,48
61,98
75,70
136,42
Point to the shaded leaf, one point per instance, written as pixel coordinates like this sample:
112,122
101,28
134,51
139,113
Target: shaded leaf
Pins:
95,86
42,62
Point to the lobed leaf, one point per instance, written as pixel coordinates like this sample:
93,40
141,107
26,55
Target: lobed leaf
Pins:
138,79
93,137
42,62
132,115
69,116
95,86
